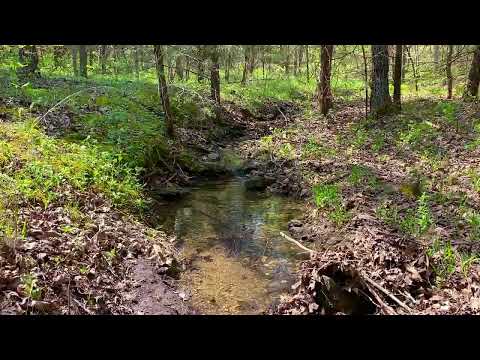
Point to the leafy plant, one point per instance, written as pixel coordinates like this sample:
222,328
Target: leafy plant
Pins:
29,283
326,195
444,259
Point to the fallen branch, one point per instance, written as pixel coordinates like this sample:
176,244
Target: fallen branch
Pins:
310,251
386,292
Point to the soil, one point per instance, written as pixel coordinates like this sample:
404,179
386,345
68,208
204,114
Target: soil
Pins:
153,294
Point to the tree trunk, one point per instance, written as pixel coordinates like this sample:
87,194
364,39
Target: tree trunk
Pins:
300,59
179,66
380,101
214,75
163,90
474,74
103,59
397,76
365,65
82,51
404,62
245,66
136,62
187,69
57,55
75,60
200,65
449,71
324,91
287,60
227,66
436,56
90,57
415,78
251,60
308,63
28,58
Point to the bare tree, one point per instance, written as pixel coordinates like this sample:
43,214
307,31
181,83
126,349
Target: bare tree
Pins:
397,76
380,101
474,74
448,69
163,90
28,58
325,98
103,58
82,51
74,50
214,74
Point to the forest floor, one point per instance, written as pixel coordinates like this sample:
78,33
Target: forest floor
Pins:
392,207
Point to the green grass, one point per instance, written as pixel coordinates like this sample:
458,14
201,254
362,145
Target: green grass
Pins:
414,222
37,167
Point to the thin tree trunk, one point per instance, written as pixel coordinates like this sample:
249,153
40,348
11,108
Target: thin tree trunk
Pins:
90,57
287,60
187,69
179,66
300,59
436,56
103,59
413,69
474,74
28,57
200,65
163,90
397,76
245,66
227,66
380,100
136,62
214,75
251,60
308,63
324,91
404,62
75,61
365,64
449,71
82,51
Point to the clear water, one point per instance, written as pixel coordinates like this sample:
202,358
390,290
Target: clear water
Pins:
239,263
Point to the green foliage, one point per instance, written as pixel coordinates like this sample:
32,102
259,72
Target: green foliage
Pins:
448,109
378,142
360,174
466,261
50,164
414,222
29,283
444,259
418,133
473,220
327,195
339,215
313,150
287,151
361,137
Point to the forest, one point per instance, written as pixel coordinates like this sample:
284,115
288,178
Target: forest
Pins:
239,179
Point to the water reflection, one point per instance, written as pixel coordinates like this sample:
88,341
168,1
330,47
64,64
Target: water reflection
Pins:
239,230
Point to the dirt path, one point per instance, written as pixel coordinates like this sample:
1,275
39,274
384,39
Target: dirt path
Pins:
151,294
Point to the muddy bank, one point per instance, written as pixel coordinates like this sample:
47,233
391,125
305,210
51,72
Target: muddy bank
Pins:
80,264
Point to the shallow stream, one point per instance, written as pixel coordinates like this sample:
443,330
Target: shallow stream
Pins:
230,237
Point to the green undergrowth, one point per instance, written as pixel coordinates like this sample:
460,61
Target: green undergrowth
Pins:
36,168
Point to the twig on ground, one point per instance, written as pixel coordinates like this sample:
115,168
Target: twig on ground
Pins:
310,251
386,292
